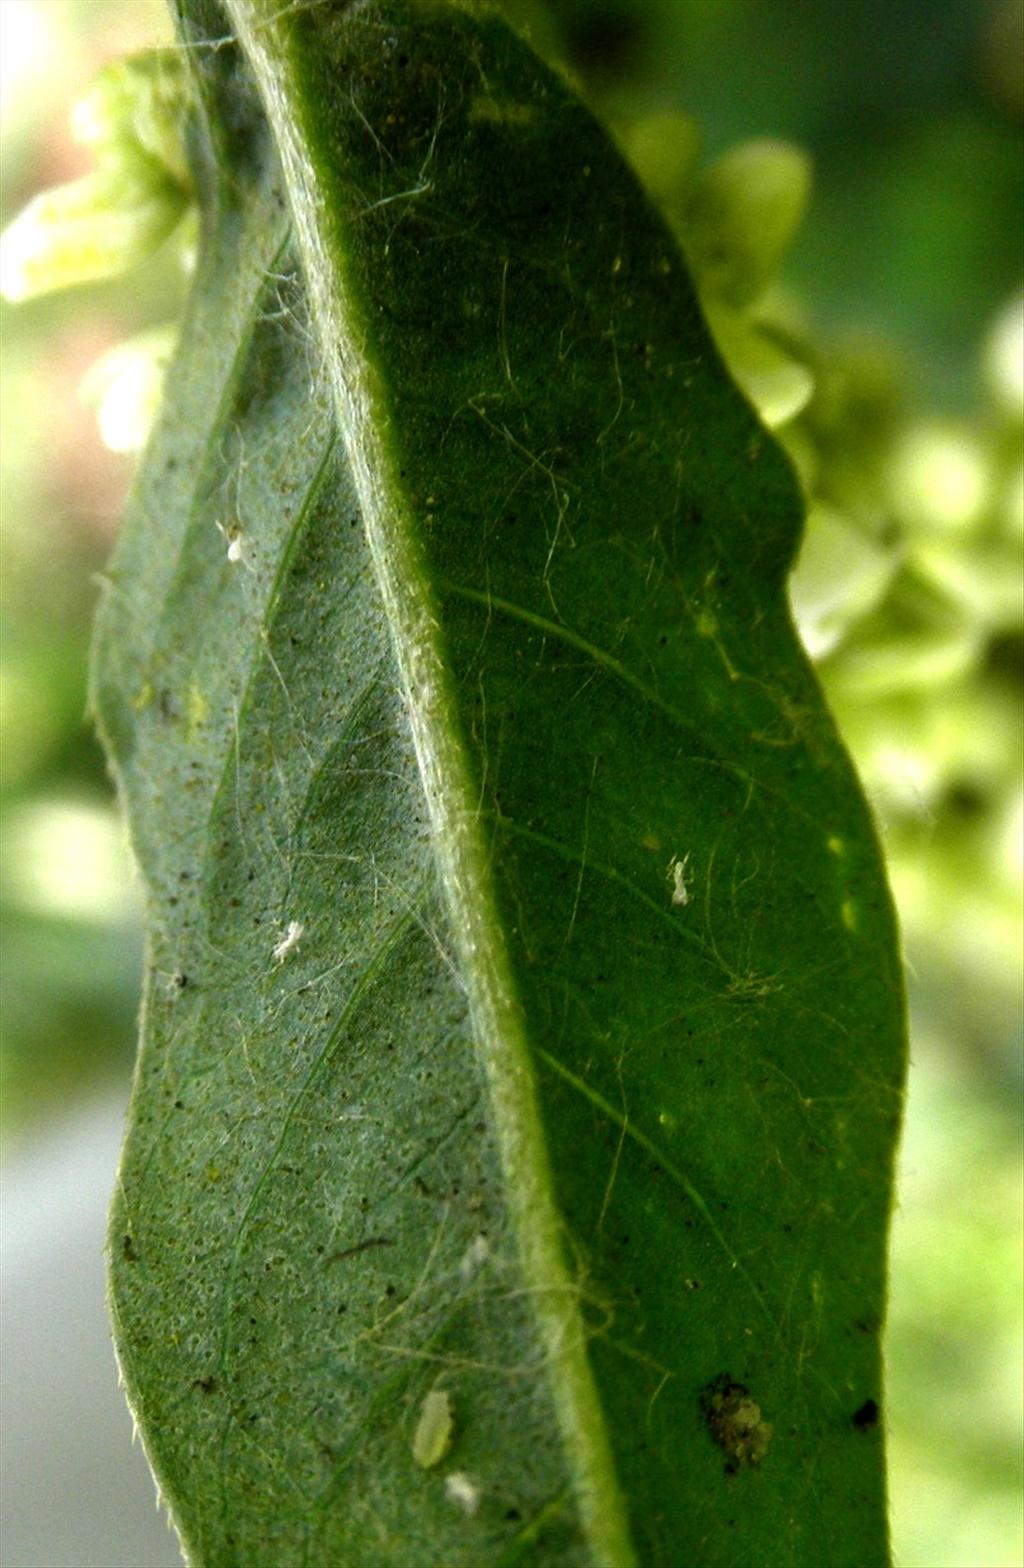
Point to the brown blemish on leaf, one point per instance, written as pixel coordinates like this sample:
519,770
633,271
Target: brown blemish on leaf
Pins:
734,1421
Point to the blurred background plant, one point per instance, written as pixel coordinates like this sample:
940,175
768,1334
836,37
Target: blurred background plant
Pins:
882,339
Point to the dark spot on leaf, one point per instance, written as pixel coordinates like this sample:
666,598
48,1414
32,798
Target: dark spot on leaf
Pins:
128,1248
207,1384
866,1418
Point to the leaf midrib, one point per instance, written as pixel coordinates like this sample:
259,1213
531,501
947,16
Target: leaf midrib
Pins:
365,418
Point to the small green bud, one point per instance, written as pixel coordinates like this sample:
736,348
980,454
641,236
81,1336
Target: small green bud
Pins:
742,215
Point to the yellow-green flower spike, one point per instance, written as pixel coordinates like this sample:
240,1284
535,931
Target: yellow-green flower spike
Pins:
741,216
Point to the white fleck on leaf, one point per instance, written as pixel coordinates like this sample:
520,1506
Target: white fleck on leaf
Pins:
677,876
474,1257
291,938
459,1489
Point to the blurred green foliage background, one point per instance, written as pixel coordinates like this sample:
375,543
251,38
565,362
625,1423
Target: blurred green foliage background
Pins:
887,353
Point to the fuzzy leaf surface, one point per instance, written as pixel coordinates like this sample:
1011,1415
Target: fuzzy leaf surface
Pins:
509,1161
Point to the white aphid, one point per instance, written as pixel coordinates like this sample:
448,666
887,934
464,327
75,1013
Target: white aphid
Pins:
461,1491
234,538
291,938
677,876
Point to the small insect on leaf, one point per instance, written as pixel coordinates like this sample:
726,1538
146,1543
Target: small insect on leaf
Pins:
464,1493
433,1436
292,937
677,876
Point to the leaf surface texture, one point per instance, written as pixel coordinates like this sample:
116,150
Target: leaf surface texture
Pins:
522,1038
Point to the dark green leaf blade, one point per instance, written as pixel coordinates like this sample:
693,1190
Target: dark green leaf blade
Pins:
660,892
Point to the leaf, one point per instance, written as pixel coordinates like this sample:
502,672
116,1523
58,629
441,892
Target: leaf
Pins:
523,1020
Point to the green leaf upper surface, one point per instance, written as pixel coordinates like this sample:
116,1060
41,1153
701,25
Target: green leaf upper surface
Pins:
523,1021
